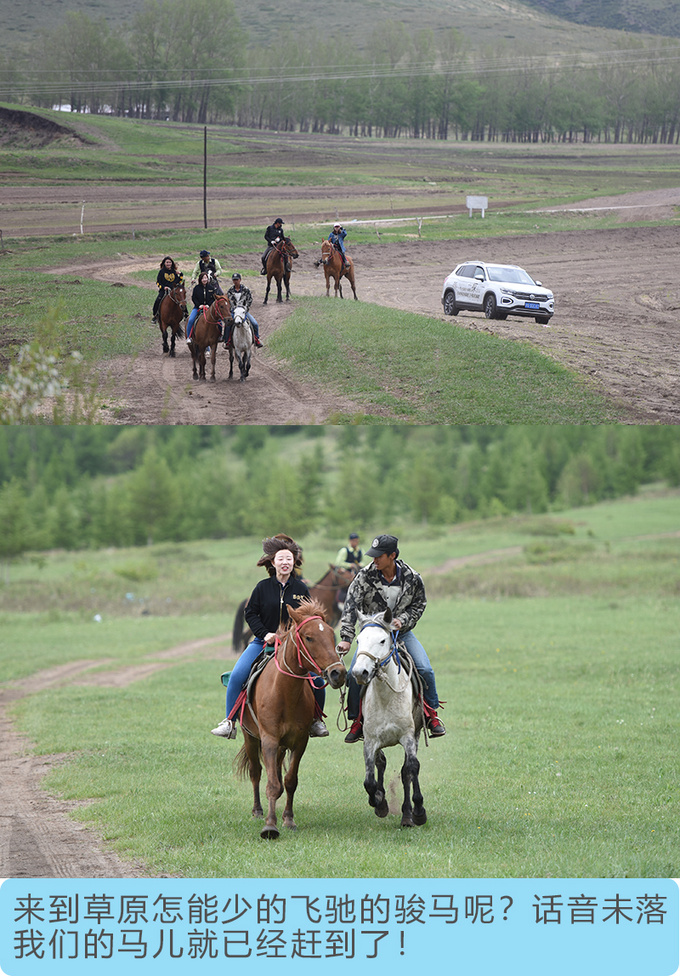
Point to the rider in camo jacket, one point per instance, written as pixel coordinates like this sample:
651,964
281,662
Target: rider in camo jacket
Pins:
389,582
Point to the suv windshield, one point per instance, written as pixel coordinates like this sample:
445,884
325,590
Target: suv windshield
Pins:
497,272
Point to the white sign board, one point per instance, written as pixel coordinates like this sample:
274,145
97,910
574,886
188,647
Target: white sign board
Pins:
477,203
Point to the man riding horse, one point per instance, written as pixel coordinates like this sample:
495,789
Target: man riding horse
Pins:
238,294
273,236
389,583
210,264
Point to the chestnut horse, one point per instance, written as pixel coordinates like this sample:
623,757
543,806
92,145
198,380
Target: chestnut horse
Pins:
277,720
327,591
170,314
331,258
206,334
279,267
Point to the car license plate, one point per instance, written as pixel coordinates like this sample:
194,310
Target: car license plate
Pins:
531,305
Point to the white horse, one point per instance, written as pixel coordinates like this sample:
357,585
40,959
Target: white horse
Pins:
241,342
392,714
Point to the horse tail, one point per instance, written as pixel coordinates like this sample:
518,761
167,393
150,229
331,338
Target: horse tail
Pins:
241,762
237,633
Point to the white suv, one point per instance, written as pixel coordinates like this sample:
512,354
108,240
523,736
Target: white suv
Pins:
498,290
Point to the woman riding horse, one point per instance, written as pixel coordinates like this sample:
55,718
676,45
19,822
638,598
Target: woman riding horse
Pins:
266,613
167,278
202,295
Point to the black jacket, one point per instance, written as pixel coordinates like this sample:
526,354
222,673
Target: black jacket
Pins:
268,604
272,232
203,294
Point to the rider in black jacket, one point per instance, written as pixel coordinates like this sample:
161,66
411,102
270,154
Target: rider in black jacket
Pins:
266,611
273,235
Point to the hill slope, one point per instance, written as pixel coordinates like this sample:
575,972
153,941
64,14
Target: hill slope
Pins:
534,25
661,17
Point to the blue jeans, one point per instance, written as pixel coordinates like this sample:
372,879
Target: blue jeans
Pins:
256,327
239,676
423,667
193,314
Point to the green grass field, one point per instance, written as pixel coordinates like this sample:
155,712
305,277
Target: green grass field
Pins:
558,664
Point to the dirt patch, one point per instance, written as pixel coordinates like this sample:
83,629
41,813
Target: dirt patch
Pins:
617,323
37,837
27,130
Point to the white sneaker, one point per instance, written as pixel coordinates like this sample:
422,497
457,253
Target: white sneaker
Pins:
318,730
226,729
189,341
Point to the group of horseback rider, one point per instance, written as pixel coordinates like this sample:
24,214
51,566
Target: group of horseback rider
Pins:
385,582
205,281
274,235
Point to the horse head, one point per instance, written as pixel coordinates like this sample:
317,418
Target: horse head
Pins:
315,642
326,251
238,314
221,307
179,296
375,644
342,576
289,248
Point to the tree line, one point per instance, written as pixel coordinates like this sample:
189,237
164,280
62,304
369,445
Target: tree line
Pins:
189,61
93,487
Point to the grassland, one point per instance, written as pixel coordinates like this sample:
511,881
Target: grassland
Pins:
558,665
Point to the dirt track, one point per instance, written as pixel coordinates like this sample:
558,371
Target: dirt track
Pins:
616,322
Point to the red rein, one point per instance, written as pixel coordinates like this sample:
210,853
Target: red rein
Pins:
315,666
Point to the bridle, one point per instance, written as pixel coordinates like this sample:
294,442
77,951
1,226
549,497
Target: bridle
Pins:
303,654
213,320
182,302
380,663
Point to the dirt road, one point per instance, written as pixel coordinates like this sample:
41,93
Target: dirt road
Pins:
617,322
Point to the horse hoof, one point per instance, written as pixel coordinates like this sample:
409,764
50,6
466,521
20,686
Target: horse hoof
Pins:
269,833
419,819
258,814
407,822
173,353
382,809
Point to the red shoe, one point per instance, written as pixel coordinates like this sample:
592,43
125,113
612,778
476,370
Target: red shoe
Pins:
435,726
257,342
356,731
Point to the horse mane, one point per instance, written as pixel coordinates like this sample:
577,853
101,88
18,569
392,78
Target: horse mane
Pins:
307,608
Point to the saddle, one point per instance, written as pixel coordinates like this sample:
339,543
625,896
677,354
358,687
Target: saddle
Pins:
246,695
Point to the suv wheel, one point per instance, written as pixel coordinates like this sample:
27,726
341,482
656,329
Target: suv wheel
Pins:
450,307
490,307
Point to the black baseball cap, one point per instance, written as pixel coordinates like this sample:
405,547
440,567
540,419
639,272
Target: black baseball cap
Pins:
383,545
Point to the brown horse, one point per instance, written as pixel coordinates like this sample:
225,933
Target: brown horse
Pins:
170,314
279,267
277,721
206,334
333,267
327,592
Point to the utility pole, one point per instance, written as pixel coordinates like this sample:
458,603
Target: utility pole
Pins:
205,177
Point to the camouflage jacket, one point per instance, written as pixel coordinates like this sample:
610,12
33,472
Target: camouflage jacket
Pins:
365,595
